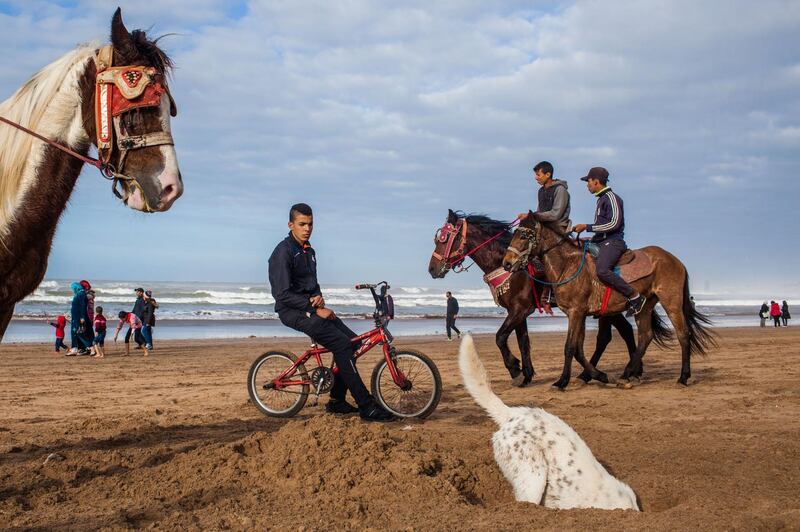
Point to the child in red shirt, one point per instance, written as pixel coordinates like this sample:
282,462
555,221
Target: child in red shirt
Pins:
99,334
60,324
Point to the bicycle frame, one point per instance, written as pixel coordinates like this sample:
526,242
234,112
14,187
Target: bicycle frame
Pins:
377,336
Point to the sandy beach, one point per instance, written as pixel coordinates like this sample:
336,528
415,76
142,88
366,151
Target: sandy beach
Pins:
171,442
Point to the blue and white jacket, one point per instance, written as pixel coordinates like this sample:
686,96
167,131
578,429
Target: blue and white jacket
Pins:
609,218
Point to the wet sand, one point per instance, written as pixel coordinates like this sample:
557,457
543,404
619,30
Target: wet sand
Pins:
171,442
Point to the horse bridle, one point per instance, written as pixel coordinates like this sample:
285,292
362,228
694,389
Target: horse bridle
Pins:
117,91
528,234
447,235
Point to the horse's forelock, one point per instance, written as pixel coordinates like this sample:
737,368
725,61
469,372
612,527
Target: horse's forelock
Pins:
143,50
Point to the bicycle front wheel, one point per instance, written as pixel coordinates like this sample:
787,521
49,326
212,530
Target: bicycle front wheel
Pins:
276,400
420,397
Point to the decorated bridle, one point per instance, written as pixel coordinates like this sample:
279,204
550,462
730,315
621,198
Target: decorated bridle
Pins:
447,235
118,90
524,257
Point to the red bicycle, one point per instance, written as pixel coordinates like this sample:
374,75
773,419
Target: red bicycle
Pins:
406,382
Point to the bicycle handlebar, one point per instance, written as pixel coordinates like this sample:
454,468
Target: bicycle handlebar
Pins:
364,286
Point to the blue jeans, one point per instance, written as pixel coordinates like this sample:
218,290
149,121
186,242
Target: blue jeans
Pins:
147,333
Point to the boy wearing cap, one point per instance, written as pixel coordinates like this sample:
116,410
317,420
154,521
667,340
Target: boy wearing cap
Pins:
609,234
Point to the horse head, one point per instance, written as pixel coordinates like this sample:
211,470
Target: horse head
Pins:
525,244
131,127
449,242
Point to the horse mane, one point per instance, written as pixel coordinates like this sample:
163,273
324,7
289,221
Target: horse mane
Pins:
490,226
42,105
149,53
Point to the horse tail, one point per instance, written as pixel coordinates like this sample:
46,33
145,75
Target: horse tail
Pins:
477,382
701,337
662,335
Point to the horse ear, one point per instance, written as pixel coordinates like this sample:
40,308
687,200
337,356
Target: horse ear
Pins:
452,217
121,37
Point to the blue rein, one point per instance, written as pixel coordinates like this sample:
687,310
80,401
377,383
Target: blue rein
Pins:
572,278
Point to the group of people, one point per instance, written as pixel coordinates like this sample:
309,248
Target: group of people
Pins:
778,313
300,305
88,323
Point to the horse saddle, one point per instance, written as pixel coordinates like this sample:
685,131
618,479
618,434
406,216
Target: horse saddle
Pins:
631,266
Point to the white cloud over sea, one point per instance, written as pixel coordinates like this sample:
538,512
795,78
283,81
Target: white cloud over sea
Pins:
384,114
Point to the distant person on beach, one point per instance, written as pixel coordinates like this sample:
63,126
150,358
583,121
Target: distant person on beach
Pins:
138,311
99,334
89,298
764,314
81,328
775,312
148,318
785,316
134,324
300,306
60,324
452,313
691,301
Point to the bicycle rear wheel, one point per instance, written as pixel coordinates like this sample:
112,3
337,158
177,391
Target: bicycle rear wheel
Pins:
425,390
271,400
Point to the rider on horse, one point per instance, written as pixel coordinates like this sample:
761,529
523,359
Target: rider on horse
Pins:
609,233
553,207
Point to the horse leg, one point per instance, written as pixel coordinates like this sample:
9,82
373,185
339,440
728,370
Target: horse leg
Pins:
644,324
579,356
603,339
5,318
510,361
524,342
675,314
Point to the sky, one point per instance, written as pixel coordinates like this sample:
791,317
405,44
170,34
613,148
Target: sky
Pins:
382,115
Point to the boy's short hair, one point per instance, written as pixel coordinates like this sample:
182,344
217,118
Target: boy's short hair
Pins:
99,310
122,314
449,293
544,167
300,208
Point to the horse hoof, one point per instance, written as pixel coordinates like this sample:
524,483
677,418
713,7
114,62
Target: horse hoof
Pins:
585,377
558,385
518,381
625,385
683,382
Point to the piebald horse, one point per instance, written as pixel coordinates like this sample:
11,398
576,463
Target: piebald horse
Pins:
115,97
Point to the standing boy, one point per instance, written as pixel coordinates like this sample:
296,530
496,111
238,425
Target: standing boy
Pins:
99,334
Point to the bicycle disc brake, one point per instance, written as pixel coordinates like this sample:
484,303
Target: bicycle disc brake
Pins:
322,379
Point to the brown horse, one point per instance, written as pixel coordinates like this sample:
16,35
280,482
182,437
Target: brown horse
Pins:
462,234
126,84
579,294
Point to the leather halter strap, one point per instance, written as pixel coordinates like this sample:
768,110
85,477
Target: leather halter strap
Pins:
110,83
451,231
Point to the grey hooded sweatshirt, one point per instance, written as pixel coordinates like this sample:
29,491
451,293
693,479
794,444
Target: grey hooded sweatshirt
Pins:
554,204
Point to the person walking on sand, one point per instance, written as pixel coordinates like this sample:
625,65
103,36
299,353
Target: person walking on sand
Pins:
60,324
81,322
775,312
99,334
148,318
452,313
785,316
138,310
300,306
134,324
764,314
609,235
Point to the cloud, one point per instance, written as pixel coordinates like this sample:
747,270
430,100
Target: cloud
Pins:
351,104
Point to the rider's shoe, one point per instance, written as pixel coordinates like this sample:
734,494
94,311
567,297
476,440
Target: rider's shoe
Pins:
372,411
636,305
340,407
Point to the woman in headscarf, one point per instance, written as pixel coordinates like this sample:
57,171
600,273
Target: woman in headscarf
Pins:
81,323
